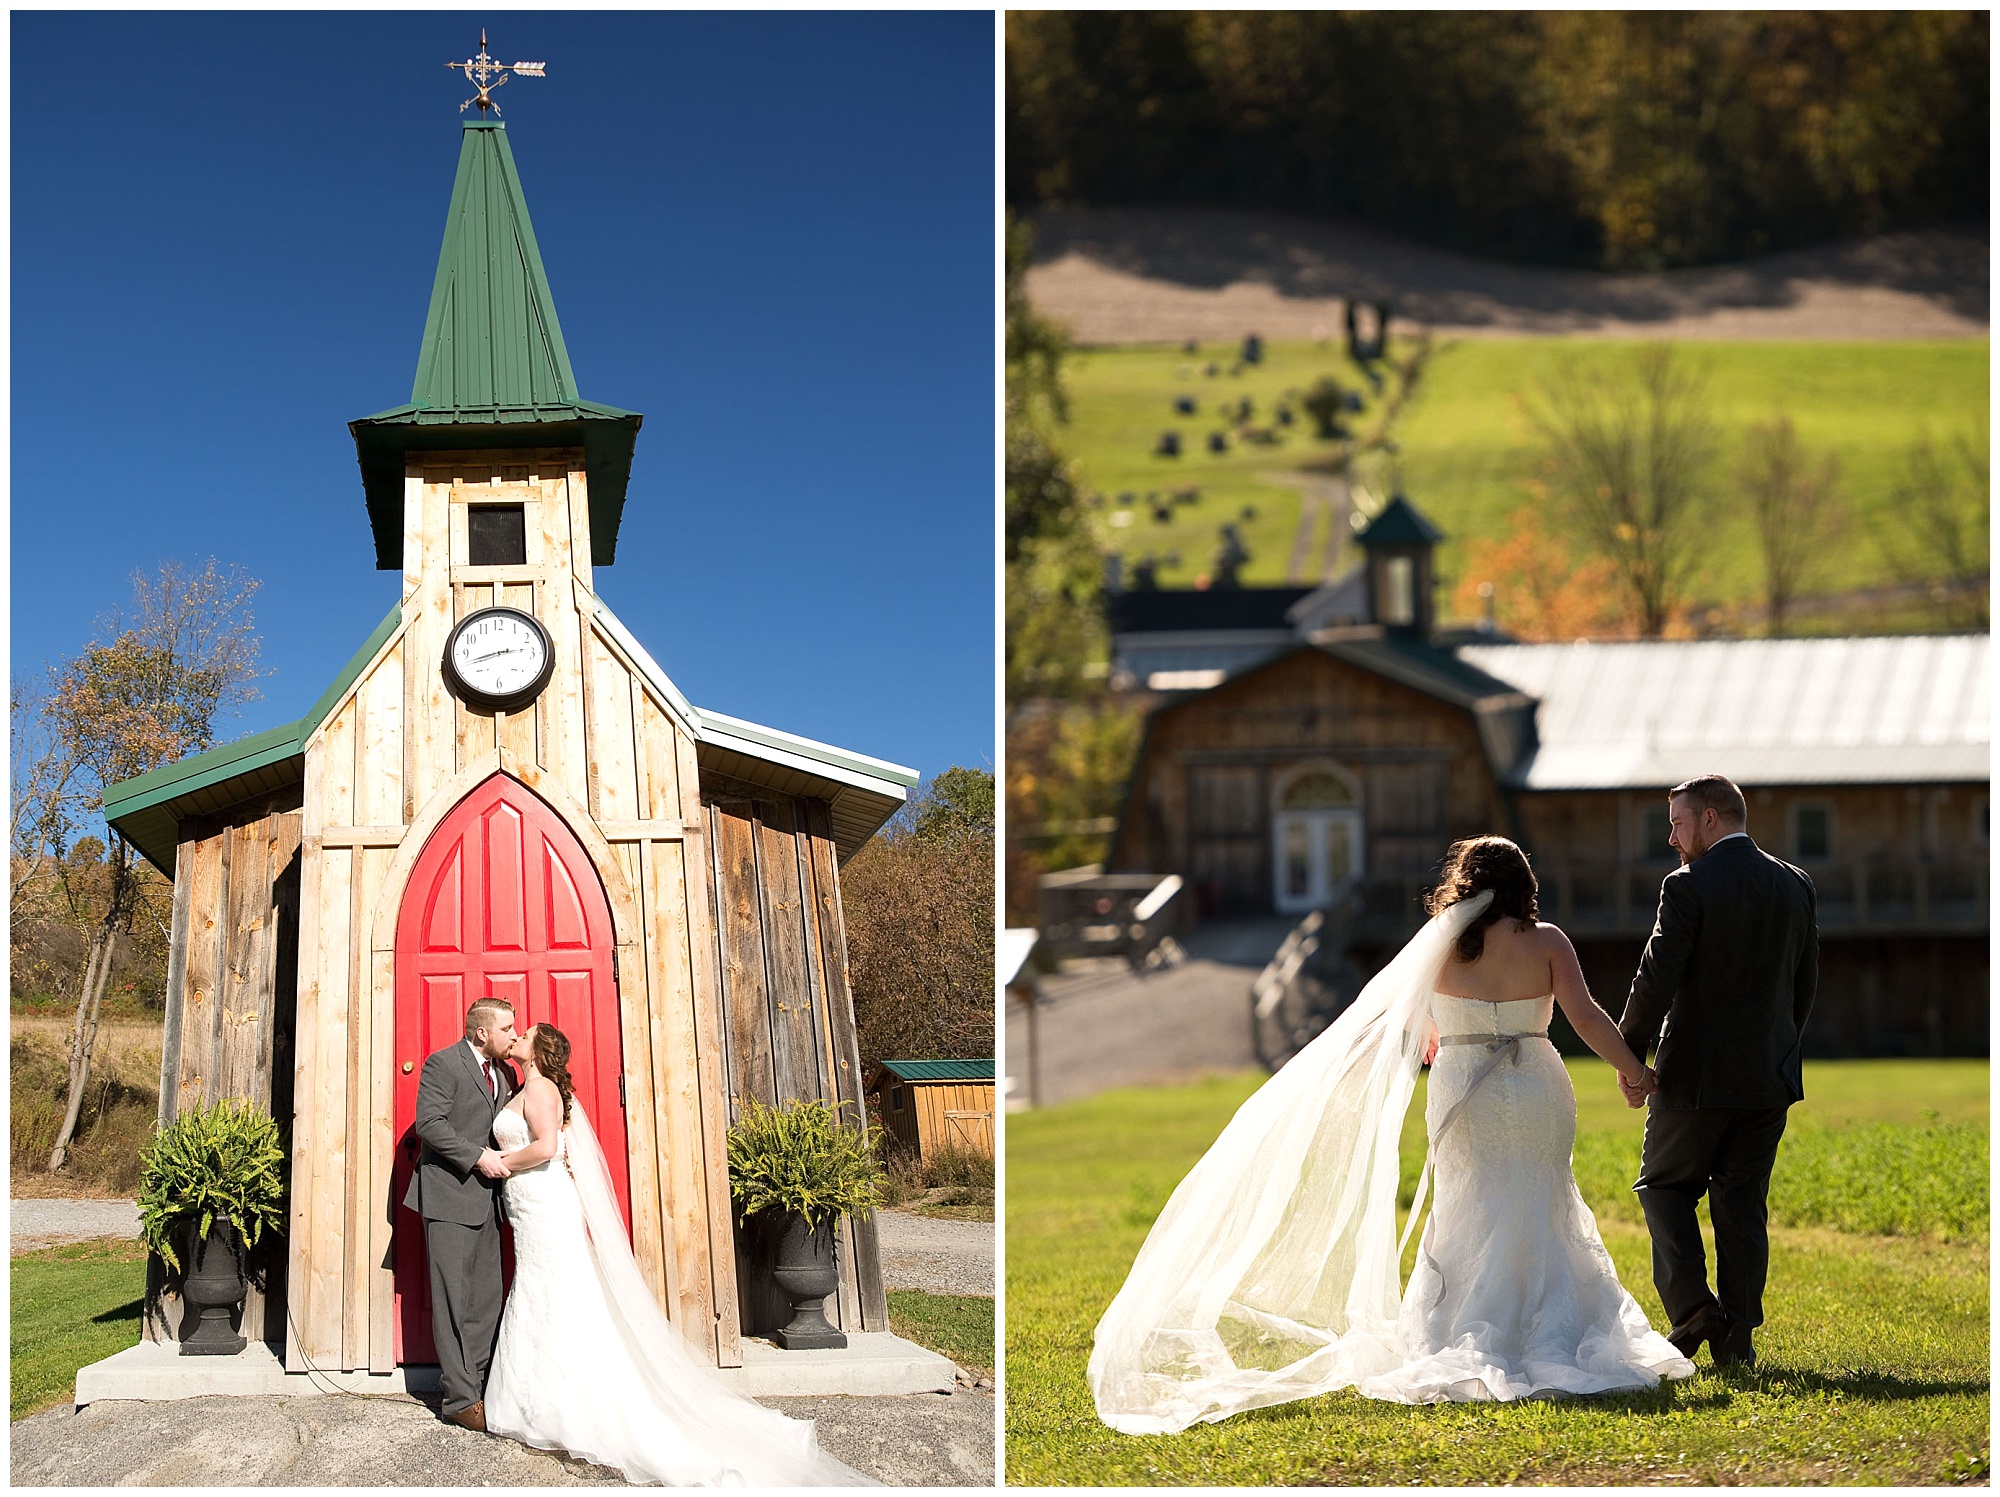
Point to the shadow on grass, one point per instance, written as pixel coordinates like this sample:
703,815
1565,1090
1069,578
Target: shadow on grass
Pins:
1872,1387
130,1310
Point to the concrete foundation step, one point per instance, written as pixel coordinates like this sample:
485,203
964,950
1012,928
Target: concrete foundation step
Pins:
872,1363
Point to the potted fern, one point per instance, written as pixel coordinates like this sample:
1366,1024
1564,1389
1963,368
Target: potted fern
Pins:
210,1185
800,1170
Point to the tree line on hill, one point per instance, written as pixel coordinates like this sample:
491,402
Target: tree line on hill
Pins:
1636,139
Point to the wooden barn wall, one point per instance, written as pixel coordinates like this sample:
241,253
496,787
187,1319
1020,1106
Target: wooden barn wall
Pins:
781,949
383,769
955,1114
232,980
1201,797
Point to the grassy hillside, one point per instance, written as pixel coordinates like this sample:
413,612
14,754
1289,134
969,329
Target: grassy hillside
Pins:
1467,447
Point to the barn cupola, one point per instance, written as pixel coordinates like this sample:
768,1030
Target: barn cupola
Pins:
492,372
1402,579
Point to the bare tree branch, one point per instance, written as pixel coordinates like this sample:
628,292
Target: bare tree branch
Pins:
1793,503
1628,463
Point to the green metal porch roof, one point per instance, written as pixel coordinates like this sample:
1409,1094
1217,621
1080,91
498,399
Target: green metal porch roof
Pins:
492,370
941,1070
149,808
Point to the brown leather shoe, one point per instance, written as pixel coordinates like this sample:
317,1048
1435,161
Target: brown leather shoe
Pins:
1706,1324
471,1417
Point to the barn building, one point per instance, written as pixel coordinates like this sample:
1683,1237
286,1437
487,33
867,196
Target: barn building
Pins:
1331,764
503,793
931,1107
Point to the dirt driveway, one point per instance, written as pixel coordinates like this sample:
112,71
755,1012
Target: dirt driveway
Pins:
1138,275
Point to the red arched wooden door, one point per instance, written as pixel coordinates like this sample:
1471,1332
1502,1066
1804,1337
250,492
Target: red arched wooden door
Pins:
503,903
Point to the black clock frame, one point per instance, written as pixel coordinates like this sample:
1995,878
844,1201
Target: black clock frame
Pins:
472,695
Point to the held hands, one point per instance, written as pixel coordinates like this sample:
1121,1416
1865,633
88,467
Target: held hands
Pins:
493,1164
1637,1091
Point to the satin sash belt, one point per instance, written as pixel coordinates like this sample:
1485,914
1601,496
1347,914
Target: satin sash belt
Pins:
1500,1047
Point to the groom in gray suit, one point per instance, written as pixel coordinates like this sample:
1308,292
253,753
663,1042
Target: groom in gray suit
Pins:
456,1189
1731,969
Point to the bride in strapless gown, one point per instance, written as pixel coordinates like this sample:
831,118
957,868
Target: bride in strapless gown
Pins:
1274,1272
586,1362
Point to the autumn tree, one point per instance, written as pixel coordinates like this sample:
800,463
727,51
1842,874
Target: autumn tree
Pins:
919,907
145,692
1540,589
1791,496
1628,464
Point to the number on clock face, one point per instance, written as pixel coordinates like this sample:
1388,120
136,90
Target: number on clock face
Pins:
498,654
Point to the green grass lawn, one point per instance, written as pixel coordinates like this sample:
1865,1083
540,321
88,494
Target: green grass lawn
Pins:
1467,448
1873,1359
71,1306
959,1326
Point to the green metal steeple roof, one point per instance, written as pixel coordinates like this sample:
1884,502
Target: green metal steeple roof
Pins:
493,370
1400,524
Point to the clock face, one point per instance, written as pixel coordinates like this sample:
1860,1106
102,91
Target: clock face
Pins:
499,656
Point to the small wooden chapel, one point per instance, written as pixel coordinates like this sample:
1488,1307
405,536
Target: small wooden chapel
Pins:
503,794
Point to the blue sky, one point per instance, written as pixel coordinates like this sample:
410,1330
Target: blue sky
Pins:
770,234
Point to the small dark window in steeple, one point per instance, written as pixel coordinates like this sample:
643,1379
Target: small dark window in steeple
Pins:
498,535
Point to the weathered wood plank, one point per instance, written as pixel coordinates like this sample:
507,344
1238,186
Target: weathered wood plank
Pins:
676,1096
794,1047
328,1099
306,1054
663,791
609,711
848,1299
846,1046
739,919
642,1131
196,1082
381,1207
378,781
711,1045
246,927
176,991
640,831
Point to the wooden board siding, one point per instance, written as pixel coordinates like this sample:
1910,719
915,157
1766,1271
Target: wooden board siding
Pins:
383,770
231,991
1201,802
788,1011
954,1115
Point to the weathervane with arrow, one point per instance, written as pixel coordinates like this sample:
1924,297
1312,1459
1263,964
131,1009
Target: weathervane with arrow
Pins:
489,75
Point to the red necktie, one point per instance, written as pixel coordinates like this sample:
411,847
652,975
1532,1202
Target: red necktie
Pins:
491,1090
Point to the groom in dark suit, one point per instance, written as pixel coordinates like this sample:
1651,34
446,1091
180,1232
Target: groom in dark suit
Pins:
456,1189
1731,968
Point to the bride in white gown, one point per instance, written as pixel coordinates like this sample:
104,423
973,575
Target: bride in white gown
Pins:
586,1361
1274,1272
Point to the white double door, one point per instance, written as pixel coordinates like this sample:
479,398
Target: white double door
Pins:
1317,853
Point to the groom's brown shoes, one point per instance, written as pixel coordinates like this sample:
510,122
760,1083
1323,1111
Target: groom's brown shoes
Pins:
1706,1324
471,1417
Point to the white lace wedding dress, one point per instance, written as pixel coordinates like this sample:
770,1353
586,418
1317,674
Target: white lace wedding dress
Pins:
1513,1294
1274,1272
587,1363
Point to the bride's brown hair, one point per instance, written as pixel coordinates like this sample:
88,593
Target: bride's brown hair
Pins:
551,1050
1471,868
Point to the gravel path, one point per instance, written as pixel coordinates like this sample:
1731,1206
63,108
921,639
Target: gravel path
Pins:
923,1439
1135,275
918,1252
44,1223
941,1257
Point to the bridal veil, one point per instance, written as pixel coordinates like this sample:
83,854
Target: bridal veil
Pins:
1273,1273
760,1445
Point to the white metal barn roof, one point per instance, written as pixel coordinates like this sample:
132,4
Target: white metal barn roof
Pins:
1647,714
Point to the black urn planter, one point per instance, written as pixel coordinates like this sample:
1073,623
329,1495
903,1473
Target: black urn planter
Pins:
213,1290
806,1272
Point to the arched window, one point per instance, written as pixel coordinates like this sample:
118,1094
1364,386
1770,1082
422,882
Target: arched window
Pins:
1317,788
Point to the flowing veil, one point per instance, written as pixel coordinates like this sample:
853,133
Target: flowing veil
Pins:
760,1445
1273,1273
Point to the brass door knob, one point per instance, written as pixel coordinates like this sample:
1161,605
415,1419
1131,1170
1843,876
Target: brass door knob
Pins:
409,1066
